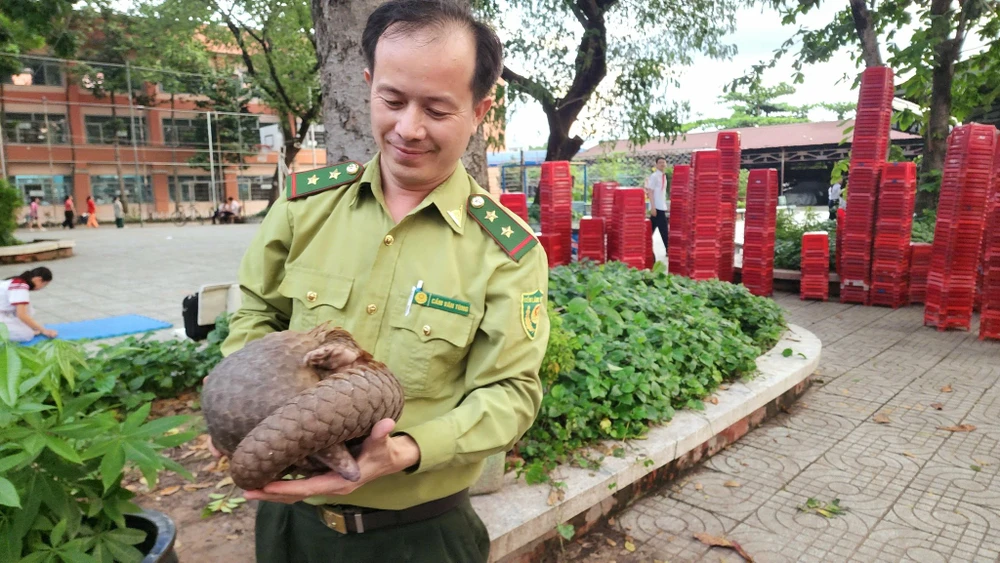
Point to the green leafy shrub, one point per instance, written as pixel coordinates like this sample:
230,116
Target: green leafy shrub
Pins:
63,453
646,343
10,201
788,239
923,226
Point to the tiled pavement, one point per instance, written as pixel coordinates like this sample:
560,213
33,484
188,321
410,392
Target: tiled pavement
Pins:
913,492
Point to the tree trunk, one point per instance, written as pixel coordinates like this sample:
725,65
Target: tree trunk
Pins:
173,153
291,151
475,159
346,112
866,33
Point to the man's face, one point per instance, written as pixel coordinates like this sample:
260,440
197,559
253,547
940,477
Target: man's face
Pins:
422,110
661,164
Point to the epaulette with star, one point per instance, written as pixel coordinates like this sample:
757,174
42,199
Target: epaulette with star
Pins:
312,182
514,239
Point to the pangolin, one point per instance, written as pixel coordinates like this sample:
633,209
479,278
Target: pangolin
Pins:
292,403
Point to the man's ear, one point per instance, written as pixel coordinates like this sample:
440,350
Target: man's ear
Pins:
481,109
368,77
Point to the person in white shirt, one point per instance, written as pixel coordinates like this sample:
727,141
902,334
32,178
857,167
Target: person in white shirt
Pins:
15,304
656,190
834,200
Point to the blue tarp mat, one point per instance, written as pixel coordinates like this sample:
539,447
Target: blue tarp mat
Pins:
103,328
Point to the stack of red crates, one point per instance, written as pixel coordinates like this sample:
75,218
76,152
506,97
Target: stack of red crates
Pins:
603,199
517,203
553,248
958,233
591,242
555,192
680,204
869,149
890,267
628,220
920,266
841,218
758,231
728,144
703,258
989,318
815,281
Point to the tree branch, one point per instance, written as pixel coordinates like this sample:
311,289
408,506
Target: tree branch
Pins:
866,33
529,86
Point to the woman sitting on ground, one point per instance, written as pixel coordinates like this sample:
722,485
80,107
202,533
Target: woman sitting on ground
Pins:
15,305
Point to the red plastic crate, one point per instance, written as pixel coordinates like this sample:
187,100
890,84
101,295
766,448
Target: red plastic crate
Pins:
677,238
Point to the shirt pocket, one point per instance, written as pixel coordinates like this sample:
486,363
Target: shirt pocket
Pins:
317,297
427,349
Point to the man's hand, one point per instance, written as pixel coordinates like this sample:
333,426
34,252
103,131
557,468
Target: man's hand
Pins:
49,332
380,455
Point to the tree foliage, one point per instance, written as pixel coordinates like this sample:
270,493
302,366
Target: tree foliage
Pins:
26,25
758,107
584,58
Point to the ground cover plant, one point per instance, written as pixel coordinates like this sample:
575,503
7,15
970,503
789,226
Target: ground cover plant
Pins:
788,239
629,347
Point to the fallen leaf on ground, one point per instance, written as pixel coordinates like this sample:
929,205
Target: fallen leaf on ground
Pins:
611,542
959,428
881,418
186,454
167,491
629,546
714,400
946,389
225,481
731,484
611,521
937,406
232,537
195,486
555,496
717,541
975,468
908,454
723,387
698,486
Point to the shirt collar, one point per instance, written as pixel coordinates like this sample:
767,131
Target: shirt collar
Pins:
448,198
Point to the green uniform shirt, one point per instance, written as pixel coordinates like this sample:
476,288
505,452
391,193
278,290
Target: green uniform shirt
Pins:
471,380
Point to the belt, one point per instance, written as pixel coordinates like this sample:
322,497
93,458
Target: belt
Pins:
357,520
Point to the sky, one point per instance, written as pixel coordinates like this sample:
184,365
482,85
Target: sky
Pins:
759,33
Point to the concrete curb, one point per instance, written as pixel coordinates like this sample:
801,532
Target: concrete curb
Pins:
522,524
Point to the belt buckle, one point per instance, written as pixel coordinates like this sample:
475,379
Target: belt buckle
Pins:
333,519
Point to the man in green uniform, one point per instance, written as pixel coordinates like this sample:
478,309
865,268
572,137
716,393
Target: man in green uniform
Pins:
431,276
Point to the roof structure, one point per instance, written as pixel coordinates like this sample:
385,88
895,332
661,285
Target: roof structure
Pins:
768,138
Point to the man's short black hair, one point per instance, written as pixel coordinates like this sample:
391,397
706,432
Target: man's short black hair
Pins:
406,16
659,158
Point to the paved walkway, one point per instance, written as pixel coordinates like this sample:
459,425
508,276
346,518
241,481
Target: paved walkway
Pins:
137,270
913,492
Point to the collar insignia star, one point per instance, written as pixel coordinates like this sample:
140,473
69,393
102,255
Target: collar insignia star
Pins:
313,179
335,174
507,231
491,216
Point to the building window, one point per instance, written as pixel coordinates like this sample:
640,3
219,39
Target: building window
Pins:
35,73
255,188
185,132
192,188
35,128
102,129
105,187
52,189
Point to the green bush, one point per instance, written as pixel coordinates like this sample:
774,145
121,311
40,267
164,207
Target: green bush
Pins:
646,343
10,202
788,239
923,226
63,454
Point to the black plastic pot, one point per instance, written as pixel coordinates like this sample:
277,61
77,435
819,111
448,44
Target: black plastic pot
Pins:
160,535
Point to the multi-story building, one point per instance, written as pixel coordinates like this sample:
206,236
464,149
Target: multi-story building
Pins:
59,139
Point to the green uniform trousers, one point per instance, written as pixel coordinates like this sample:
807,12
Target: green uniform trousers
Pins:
295,534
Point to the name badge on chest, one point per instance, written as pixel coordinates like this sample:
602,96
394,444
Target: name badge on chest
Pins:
434,301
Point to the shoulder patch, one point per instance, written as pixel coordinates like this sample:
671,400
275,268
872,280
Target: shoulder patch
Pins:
514,239
310,182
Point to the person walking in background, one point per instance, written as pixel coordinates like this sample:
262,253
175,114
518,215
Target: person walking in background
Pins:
68,212
834,200
119,213
33,218
15,304
91,212
656,190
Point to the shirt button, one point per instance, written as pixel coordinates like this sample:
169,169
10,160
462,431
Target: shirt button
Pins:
372,308
388,240
427,330
311,296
